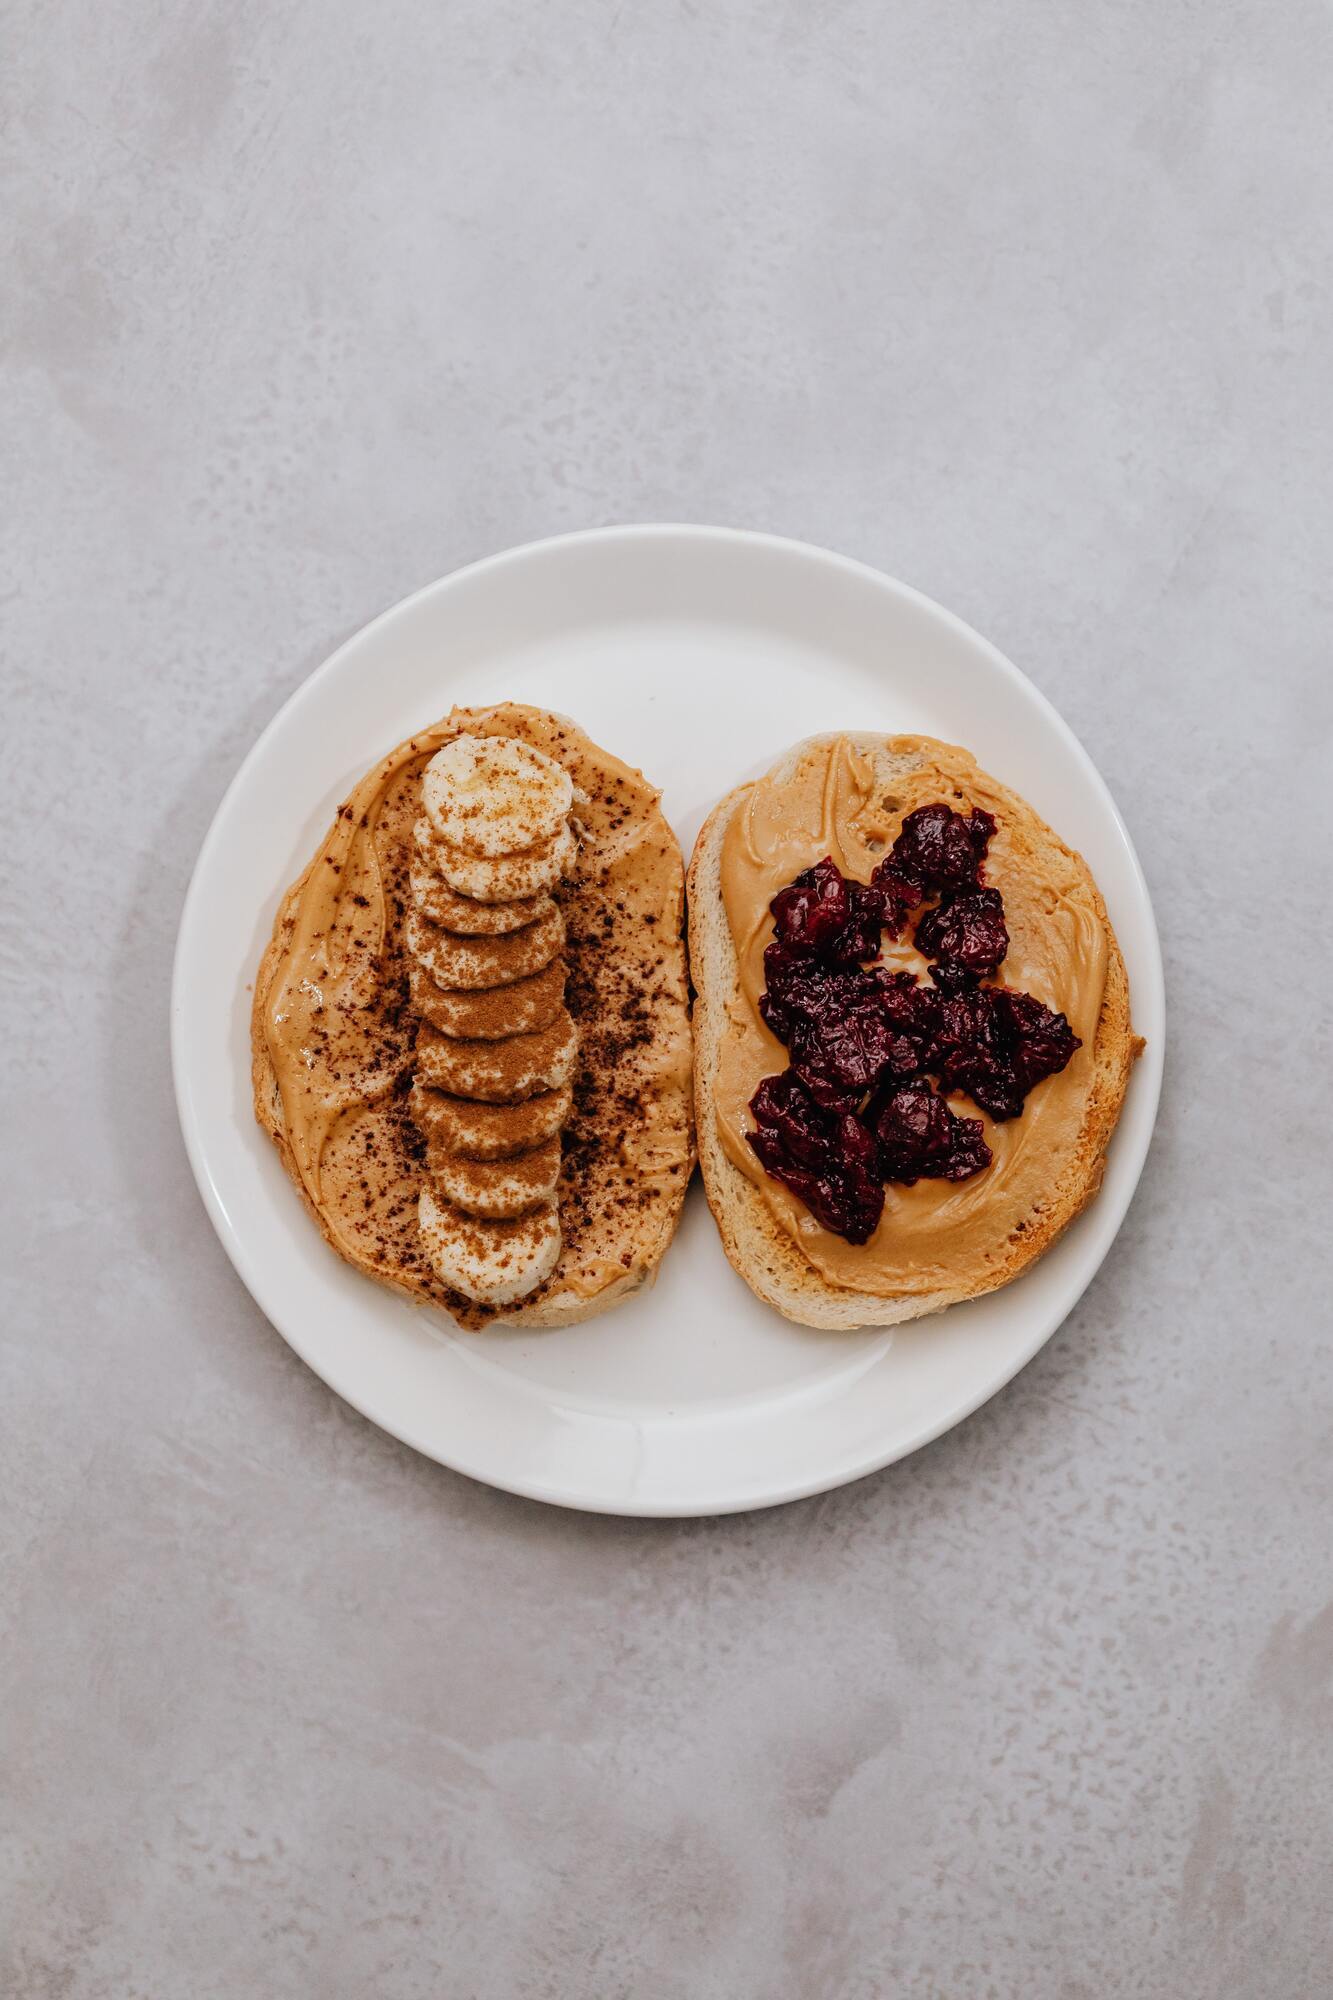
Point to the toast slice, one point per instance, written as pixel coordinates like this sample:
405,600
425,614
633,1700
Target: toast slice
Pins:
771,1240
345,1130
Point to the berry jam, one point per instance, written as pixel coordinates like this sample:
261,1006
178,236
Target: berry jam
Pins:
966,929
857,1107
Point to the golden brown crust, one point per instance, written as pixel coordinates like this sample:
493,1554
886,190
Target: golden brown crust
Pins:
760,1250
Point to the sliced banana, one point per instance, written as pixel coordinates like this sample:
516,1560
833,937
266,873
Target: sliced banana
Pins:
496,1048
488,1131
491,1262
504,879
495,795
493,1013
496,1189
499,1072
441,905
473,963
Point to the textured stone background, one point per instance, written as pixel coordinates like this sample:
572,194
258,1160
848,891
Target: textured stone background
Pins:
305,305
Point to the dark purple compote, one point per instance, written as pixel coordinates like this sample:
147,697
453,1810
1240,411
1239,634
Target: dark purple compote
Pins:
874,1053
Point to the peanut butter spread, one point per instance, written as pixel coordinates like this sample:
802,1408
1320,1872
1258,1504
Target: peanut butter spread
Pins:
340,1034
936,1232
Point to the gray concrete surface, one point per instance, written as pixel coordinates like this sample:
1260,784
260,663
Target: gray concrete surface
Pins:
307,305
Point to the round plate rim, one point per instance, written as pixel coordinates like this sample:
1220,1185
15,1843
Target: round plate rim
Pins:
1108,1218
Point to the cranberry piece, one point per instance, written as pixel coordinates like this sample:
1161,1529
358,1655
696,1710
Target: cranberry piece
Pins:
833,1022
883,902
995,1044
920,1137
938,849
842,1056
812,912
966,928
968,1055
828,1159
822,914
787,1113
846,1028
804,989
981,830
912,1010
1040,1042
952,978
968,1152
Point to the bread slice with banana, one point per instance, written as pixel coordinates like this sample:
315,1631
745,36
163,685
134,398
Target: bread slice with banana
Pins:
470,1032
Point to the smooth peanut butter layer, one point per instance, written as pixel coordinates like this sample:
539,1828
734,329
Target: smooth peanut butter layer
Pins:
936,1233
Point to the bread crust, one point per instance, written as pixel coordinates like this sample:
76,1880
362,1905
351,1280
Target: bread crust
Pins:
552,1306
756,1244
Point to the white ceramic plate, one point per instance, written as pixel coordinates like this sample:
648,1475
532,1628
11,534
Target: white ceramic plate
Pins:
699,654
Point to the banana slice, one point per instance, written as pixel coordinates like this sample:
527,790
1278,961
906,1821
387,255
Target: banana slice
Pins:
499,1072
495,795
492,1262
488,1131
496,1189
441,905
470,963
490,1015
505,879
